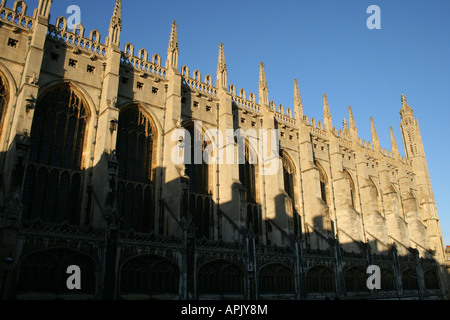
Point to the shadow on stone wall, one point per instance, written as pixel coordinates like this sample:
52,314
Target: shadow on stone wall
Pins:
173,262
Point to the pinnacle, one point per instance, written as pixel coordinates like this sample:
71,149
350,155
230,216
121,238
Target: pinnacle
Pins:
351,118
375,140
297,96
262,76
405,106
298,105
116,19
325,100
394,146
221,62
173,42
326,107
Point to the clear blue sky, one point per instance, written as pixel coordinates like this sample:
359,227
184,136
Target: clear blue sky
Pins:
323,43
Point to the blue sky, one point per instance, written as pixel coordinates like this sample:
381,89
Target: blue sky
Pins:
326,45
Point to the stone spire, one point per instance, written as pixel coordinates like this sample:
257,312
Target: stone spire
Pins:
221,65
352,123
173,50
173,42
327,120
412,138
298,105
394,146
222,74
351,119
406,109
375,140
263,88
116,24
116,19
262,77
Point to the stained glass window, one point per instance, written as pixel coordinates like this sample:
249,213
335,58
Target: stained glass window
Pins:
135,150
54,178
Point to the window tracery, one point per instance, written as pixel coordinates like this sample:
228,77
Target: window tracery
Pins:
53,185
136,152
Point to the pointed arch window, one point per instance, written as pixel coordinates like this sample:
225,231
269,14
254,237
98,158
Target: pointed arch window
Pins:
352,188
149,275
288,174
289,187
388,282
197,169
220,277
431,280
376,195
410,280
276,279
136,154
46,272
355,280
200,193
4,99
323,180
54,177
320,279
399,203
247,177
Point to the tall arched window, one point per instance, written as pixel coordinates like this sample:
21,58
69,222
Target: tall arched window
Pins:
136,154
323,184
410,280
276,279
398,200
200,199
355,280
431,280
149,275
352,188
196,167
326,198
247,176
289,188
320,279
46,272
376,195
388,282
220,277
53,184
4,99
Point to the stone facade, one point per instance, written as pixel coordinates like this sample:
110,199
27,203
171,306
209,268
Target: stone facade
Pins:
88,179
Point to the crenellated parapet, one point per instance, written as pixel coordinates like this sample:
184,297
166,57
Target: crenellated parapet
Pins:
197,85
141,62
285,117
17,16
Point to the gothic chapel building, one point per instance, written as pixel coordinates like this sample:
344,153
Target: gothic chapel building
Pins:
87,179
